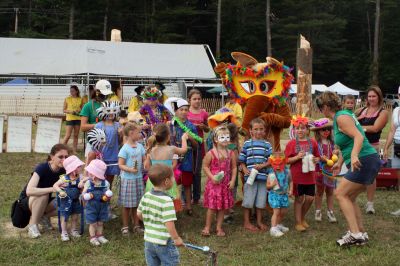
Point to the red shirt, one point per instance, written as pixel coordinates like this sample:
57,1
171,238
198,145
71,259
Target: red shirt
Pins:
197,119
298,176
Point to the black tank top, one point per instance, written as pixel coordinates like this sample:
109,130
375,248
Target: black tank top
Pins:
369,121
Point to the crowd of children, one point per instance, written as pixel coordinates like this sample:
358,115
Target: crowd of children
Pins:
154,155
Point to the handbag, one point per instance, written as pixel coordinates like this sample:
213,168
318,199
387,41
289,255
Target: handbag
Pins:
396,150
20,213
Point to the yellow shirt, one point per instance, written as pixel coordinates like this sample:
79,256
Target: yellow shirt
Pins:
237,110
114,98
85,99
73,104
134,104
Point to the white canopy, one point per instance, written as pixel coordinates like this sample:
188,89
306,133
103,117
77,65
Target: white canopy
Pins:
314,87
65,57
341,89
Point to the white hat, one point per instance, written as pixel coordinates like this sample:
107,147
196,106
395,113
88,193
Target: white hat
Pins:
104,87
399,90
174,103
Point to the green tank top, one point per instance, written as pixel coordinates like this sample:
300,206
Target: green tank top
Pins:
346,143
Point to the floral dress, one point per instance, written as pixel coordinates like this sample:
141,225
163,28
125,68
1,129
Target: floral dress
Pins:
219,196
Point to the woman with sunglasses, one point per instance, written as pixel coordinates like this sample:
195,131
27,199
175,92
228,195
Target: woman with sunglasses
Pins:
394,136
40,188
361,159
373,119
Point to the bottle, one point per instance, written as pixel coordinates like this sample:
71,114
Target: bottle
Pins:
311,165
218,177
305,164
252,176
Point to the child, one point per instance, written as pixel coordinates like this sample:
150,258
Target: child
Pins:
349,102
302,151
130,161
254,155
322,131
161,238
68,189
279,185
219,166
161,153
197,117
97,193
180,125
108,114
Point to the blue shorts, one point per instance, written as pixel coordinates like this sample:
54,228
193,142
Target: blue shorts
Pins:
166,255
67,209
96,211
277,201
255,195
112,169
370,165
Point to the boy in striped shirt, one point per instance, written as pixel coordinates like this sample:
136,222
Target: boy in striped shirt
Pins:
156,210
255,153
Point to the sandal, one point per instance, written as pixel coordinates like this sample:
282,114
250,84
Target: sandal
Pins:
138,229
221,233
205,233
125,230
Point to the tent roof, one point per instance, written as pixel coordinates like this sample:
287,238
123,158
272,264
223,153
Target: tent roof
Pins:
17,82
314,87
66,57
341,89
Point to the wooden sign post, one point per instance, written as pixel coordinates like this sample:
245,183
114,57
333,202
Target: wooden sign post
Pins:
304,77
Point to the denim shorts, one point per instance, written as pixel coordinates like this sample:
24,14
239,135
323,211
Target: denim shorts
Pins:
255,195
166,255
73,123
277,201
370,165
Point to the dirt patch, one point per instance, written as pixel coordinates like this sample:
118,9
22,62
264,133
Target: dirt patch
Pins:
9,231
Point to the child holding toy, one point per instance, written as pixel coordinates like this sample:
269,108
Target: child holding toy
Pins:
302,153
68,188
279,185
130,161
219,166
156,210
322,131
97,195
254,162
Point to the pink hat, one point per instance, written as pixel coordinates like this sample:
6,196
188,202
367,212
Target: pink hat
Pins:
71,164
97,168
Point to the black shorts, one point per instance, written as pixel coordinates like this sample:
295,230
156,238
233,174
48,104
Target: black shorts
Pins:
73,123
300,190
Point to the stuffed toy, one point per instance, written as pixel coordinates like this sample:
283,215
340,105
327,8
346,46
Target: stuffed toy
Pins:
262,89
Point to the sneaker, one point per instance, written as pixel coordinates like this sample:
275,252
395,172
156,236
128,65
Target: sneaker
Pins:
396,213
331,216
33,231
351,239
64,237
228,219
112,216
369,208
366,237
275,232
318,215
75,233
45,223
94,241
282,228
102,239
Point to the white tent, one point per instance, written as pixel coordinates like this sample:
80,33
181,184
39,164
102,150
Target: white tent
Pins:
66,57
314,87
341,89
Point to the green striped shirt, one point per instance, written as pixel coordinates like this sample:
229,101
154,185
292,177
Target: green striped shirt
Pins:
157,208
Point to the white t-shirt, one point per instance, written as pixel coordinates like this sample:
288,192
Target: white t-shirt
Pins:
396,123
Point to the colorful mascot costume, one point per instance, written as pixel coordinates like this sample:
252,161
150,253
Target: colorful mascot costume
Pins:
262,89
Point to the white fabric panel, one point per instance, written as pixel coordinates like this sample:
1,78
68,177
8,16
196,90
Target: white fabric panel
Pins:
63,57
314,87
341,89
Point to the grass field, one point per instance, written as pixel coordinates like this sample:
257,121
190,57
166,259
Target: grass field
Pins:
314,247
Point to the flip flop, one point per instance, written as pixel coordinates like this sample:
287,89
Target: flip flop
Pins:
252,229
205,233
221,233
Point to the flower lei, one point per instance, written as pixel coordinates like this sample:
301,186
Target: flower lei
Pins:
187,130
153,119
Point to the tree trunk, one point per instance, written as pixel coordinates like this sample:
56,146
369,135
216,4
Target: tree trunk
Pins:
105,22
369,34
375,65
218,39
30,14
71,20
153,18
304,77
268,26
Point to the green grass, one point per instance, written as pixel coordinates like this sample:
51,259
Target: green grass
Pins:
315,247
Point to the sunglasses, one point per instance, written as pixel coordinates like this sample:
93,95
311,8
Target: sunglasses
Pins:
62,156
326,129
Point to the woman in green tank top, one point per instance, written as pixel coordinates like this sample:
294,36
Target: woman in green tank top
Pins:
360,157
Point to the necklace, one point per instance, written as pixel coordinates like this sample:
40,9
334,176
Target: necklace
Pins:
153,118
321,150
187,130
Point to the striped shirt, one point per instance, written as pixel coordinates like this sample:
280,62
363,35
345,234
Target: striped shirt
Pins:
256,152
157,208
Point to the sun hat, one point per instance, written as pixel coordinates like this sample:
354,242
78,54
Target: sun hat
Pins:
399,90
104,86
320,124
174,103
97,168
71,163
139,89
222,115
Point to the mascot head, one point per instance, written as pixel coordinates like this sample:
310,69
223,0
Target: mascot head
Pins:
249,78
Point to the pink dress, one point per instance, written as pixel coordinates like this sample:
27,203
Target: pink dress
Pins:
197,119
219,196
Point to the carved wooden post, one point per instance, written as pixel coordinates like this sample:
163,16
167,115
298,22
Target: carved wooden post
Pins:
304,77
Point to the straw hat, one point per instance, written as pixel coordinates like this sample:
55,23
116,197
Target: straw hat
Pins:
97,168
71,164
222,115
321,123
